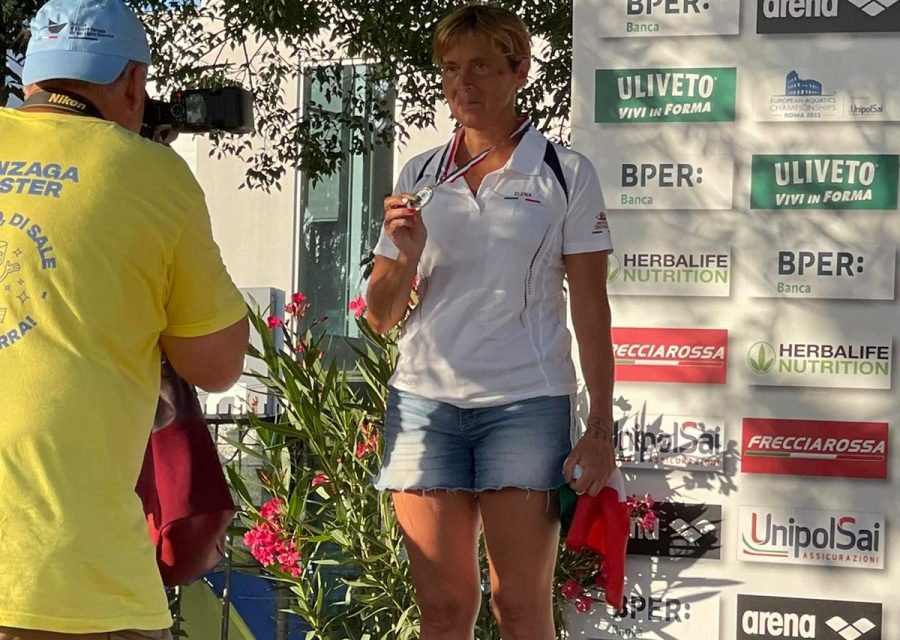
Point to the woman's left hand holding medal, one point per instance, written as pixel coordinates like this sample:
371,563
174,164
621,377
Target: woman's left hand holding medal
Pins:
403,225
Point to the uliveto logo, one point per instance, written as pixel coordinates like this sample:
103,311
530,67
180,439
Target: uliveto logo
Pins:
815,448
865,182
704,94
827,16
670,355
807,536
774,618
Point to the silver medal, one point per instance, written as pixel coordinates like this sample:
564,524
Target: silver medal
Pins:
421,197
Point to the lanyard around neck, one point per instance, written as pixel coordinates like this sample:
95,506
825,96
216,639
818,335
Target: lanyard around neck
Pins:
65,101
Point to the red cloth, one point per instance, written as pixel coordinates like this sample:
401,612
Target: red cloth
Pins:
186,499
603,525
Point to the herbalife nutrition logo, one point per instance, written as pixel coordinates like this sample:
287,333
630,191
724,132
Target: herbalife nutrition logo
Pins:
827,359
761,357
665,95
671,268
824,182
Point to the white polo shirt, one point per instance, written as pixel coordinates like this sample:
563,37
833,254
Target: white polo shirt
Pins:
491,325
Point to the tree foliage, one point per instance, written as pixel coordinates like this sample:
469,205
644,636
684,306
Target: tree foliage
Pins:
273,46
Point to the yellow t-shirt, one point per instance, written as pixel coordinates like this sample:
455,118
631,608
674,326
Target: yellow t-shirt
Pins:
105,244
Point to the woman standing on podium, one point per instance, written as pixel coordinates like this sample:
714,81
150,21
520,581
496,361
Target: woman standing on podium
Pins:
478,430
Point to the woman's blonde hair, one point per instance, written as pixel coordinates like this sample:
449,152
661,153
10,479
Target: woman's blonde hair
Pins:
502,28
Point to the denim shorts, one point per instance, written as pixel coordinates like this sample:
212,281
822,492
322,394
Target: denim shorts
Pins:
434,445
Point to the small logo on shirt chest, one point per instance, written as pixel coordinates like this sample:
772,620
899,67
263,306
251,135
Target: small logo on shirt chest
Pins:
523,195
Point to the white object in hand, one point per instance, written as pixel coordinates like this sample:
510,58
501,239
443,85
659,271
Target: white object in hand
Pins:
577,472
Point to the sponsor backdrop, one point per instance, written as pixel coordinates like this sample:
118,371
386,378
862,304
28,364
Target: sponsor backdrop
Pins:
749,152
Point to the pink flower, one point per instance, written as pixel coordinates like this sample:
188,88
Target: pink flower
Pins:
289,557
297,306
263,543
570,590
271,509
358,306
275,322
319,480
584,604
648,521
648,501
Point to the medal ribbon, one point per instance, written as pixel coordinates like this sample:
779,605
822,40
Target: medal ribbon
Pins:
461,171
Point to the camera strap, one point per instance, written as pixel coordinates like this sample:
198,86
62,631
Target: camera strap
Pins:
63,101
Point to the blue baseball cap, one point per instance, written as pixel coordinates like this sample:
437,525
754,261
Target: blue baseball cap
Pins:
88,40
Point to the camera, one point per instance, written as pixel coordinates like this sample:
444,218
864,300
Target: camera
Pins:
228,109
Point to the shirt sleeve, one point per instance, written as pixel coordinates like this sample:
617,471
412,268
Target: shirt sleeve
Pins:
586,227
202,298
385,247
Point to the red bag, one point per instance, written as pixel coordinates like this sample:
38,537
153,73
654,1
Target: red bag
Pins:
182,486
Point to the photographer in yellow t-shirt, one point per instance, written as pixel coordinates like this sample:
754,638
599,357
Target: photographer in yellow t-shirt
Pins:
106,258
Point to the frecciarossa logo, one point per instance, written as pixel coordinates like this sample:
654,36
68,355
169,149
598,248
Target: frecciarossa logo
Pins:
670,355
807,536
815,448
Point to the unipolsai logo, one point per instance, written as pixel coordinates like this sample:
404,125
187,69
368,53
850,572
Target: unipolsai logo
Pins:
811,537
762,357
667,441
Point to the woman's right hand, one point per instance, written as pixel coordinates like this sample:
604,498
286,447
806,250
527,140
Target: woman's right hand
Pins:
404,226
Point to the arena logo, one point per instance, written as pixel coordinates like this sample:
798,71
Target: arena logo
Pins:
851,365
773,618
670,274
815,448
811,537
670,355
665,95
648,18
681,531
668,442
827,16
824,182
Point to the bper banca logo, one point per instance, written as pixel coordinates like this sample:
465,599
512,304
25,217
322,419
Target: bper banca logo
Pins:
666,7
